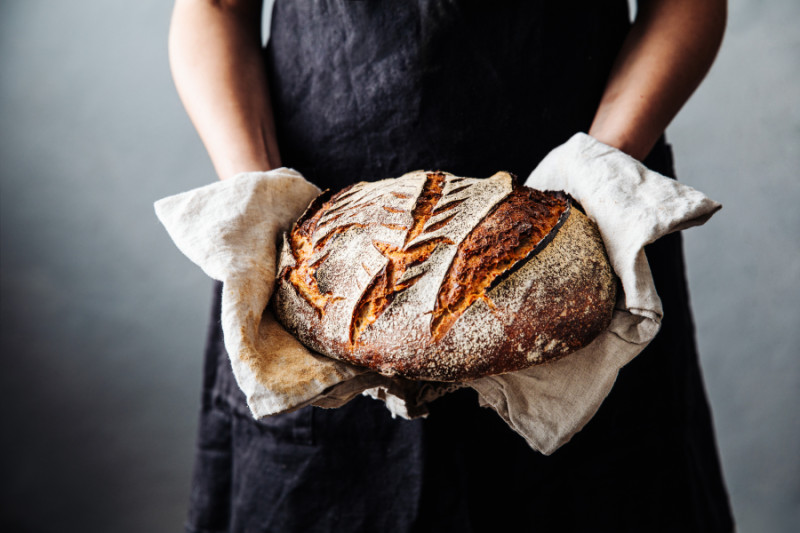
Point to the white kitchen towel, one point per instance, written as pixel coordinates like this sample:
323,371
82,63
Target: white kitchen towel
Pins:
632,207
231,230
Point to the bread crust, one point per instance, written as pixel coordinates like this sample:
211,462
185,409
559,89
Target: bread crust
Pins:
435,277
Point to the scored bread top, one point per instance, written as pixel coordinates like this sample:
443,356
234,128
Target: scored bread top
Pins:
391,274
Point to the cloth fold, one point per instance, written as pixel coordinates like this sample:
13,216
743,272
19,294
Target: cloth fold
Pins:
231,230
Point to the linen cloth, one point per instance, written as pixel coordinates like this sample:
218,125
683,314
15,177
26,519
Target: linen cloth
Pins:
231,230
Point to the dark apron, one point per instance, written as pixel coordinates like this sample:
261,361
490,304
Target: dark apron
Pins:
373,89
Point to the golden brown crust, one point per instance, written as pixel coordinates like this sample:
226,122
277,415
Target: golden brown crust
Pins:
458,278
388,282
502,239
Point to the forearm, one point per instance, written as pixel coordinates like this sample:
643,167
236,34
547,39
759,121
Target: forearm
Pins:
215,56
668,51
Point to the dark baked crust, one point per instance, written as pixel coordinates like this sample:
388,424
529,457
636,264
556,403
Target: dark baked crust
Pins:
509,277
499,242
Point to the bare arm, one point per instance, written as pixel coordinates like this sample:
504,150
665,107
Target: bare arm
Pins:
668,51
215,56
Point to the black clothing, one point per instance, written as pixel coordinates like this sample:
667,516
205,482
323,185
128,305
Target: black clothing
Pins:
373,89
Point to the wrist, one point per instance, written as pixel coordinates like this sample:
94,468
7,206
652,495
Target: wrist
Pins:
636,145
246,156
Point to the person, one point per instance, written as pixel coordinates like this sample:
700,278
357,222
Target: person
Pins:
359,90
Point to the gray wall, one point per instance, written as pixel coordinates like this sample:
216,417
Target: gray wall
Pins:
102,320
738,140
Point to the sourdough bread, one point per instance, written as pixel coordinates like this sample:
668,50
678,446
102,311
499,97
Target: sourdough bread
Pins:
431,276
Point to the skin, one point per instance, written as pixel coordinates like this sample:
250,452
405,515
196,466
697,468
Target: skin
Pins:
664,58
215,56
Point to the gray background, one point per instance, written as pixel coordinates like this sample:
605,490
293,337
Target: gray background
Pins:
103,320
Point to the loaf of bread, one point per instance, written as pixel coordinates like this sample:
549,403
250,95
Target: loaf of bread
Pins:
431,276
